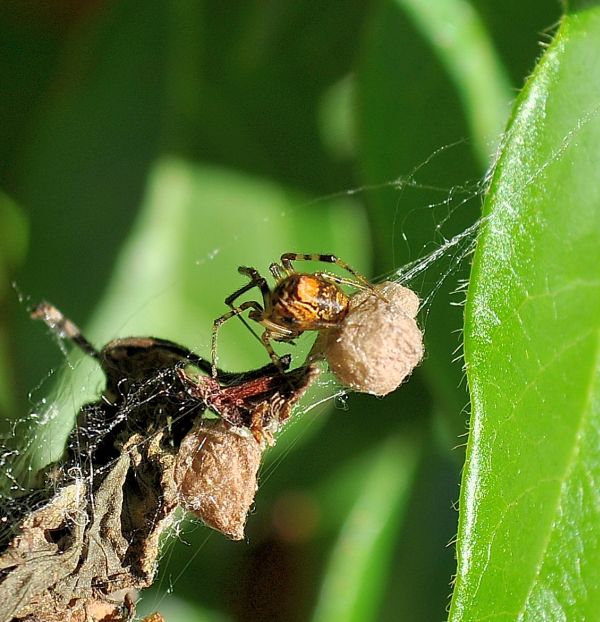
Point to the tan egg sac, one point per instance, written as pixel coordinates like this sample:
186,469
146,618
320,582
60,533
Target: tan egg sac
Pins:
216,473
379,343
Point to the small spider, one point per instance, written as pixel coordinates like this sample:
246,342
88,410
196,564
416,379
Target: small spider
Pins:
299,302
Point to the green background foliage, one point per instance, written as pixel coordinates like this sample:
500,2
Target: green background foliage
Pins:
148,148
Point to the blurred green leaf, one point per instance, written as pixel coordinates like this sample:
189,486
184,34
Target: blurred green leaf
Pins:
459,37
353,585
262,85
175,609
83,163
529,544
14,234
336,116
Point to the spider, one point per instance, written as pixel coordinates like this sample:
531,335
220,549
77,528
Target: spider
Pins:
299,302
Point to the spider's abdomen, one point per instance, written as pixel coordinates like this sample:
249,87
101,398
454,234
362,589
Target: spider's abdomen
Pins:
307,302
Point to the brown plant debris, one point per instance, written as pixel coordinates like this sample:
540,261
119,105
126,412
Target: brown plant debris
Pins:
143,449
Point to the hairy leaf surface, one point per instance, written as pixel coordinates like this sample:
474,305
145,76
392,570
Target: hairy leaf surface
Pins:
529,544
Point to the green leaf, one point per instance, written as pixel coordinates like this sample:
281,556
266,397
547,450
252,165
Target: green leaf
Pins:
529,542
14,230
353,585
85,158
463,45
176,609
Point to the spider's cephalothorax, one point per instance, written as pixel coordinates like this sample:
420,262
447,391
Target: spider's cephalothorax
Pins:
299,301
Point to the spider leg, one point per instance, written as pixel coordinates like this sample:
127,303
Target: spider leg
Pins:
359,280
278,271
251,304
340,280
256,280
266,341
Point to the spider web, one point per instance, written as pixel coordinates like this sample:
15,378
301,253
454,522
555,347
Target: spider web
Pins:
38,438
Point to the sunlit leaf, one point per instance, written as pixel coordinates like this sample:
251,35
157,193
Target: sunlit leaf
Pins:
529,543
